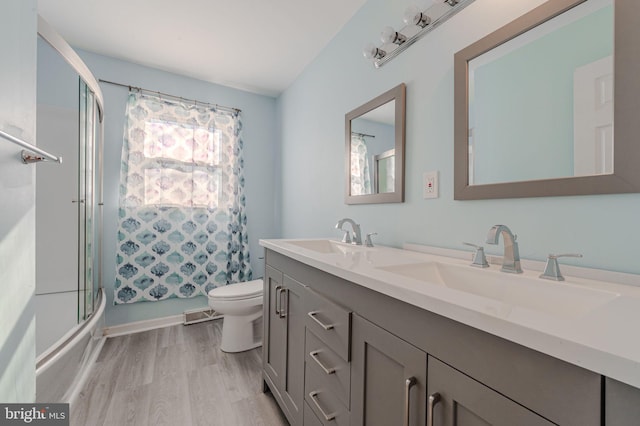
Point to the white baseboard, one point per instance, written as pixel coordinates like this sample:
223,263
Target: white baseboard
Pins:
138,326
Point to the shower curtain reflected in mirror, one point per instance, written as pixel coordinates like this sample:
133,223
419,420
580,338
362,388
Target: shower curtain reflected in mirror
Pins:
360,174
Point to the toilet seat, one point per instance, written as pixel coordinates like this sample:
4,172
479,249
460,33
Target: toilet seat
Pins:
239,291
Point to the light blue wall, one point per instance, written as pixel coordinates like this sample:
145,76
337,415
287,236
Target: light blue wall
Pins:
17,202
604,228
261,162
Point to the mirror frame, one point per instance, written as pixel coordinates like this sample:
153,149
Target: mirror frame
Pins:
398,94
626,161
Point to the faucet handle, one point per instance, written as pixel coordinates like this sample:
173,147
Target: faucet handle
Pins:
346,238
367,240
552,268
479,259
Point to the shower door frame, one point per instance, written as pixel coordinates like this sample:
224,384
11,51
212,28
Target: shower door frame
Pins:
96,134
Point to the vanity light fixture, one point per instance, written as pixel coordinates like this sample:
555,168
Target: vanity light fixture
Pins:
418,23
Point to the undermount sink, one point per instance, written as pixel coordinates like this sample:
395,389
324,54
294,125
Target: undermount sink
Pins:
327,246
558,298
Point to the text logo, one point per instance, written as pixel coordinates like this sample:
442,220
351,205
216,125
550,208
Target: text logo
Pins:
34,414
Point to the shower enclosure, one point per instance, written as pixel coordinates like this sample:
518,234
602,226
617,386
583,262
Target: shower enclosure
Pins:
69,300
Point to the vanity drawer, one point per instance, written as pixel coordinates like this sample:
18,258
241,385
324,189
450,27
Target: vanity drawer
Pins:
310,418
330,323
334,371
323,402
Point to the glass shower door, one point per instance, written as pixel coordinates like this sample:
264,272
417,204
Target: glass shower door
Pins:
86,179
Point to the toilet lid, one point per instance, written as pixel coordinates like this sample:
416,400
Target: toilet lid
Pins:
244,290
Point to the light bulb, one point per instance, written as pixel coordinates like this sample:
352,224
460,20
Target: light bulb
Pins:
389,35
413,16
369,51
372,52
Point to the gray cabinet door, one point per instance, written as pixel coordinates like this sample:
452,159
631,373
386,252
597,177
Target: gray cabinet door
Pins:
461,401
283,342
292,311
388,378
622,404
275,333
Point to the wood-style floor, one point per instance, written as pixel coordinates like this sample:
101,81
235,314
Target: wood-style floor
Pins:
175,376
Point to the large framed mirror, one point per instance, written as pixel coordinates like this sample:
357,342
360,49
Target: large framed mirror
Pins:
374,149
540,102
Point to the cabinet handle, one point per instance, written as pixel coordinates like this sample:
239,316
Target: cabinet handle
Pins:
278,289
408,384
314,356
314,398
283,312
313,314
433,400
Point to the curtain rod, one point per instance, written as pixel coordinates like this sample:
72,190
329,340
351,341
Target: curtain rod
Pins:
155,92
364,135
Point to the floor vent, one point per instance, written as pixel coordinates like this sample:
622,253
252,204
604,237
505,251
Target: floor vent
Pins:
195,316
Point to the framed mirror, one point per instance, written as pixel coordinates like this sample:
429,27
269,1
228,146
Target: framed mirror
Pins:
374,150
540,102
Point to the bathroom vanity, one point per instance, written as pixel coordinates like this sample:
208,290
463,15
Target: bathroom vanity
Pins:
365,336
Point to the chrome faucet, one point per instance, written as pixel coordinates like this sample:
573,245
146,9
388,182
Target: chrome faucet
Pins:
552,269
511,257
357,233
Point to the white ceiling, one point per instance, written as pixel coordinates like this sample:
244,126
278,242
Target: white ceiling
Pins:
256,45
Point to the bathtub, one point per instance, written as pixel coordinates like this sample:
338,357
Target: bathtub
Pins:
62,370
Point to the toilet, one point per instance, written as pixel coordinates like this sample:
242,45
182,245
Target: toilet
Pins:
241,305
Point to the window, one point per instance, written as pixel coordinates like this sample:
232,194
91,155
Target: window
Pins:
180,164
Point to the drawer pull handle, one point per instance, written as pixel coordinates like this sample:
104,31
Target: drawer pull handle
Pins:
408,384
283,312
433,400
313,314
314,398
277,301
314,356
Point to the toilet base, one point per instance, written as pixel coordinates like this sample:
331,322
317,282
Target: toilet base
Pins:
241,333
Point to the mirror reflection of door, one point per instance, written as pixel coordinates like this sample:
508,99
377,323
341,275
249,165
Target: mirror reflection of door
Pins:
384,171
593,118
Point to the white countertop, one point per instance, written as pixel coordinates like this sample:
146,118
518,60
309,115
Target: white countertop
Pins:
604,340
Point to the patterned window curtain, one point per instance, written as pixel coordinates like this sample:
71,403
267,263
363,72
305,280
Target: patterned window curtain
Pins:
182,226
360,177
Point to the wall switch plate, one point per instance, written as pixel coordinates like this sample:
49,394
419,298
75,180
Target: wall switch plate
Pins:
430,185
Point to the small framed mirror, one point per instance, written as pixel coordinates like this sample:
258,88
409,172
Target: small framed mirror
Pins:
374,150
548,104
